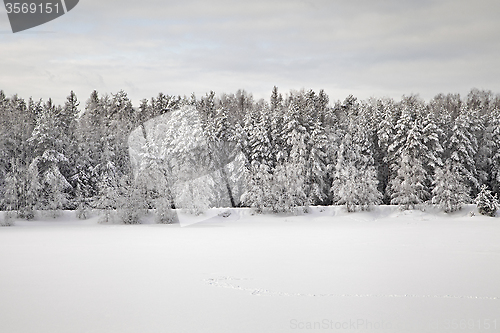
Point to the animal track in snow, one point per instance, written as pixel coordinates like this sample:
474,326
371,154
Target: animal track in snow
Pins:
227,282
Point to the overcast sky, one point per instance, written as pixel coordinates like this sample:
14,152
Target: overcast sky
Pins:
360,47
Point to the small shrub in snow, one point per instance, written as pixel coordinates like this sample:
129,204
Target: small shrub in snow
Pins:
128,216
82,212
487,204
51,213
107,216
166,215
8,219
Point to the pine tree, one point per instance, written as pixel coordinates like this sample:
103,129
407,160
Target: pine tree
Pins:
260,160
131,205
109,192
288,185
14,185
355,178
259,194
450,191
152,183
46,134
33,189
54,184
185,149
222,148
412,154
384,122
487,204
238,175
461,148
408,188
316,165
491,145
83,191
194,195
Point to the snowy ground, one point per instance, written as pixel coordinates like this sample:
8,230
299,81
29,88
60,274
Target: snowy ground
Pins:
383,271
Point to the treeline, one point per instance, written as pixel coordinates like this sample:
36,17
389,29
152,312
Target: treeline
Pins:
296,150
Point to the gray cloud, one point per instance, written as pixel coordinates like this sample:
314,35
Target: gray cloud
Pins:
361,47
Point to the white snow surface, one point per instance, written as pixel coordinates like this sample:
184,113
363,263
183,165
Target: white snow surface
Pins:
325,271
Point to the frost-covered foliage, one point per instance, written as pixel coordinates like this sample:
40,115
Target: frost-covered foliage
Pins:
355,178
164,214
7,218
131,204
259,194
109,192
54,184
450,191
487,203
408,187
294,151
186,153
288,185
194,195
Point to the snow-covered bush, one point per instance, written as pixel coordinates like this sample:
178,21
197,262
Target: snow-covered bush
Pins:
82,212
164,212
8,219
487,204
194,196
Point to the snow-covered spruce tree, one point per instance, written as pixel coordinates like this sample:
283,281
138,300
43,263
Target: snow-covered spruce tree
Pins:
238,176
408,187
164,212
431,136
355,177
222,149
23,190
131,205
258,194
185,150
288,185
151,182
462,148
194,196
480,108
54,184
381,114
316,164
85,178
33,189
109,192
412,147
13,187
450,191
314,114
260,160
493,146
487,203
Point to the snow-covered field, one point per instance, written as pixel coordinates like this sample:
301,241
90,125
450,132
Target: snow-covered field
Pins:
383,271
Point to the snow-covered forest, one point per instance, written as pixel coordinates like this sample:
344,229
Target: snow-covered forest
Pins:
296,150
